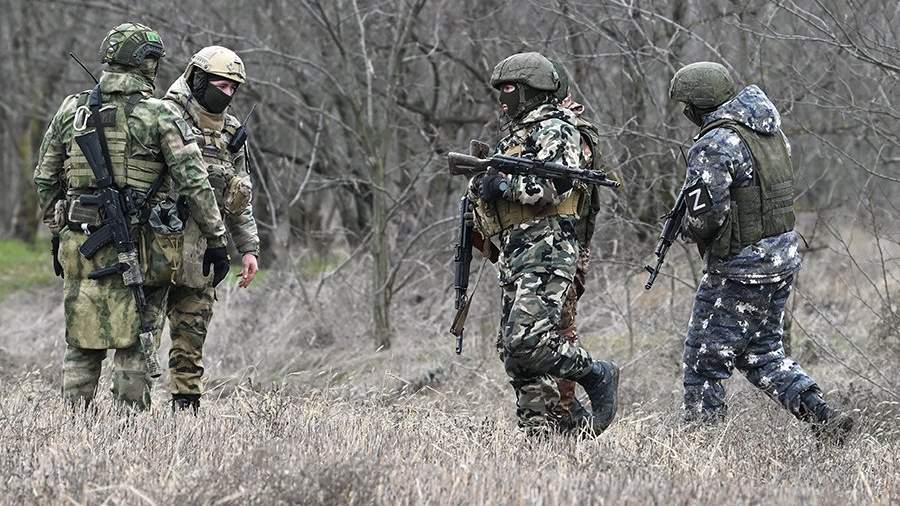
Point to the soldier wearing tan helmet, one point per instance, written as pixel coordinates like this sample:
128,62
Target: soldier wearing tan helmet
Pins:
203,93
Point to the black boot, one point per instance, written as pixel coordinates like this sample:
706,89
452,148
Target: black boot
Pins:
576,419
828,425
182,402
602,385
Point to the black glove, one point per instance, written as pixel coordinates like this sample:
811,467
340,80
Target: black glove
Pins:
54,250
493,185
218,259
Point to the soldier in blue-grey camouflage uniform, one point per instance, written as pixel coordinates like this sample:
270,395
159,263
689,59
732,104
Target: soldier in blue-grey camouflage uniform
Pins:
534,221
739,197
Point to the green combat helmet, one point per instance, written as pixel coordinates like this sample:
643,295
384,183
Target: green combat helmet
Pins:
130,44
704,85
532,69
535,75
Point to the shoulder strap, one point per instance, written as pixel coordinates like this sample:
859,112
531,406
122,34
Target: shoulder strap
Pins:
95,103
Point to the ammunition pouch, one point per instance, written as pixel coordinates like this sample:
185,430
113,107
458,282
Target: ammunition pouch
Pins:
58,221
80,214
238,193
162,240
491,219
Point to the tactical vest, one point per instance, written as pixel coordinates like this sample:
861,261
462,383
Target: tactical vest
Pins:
766,207
127,171
493,218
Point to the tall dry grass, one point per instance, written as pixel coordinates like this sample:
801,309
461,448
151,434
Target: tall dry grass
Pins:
301,410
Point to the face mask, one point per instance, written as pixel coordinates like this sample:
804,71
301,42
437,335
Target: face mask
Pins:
512,102
214,100
211,98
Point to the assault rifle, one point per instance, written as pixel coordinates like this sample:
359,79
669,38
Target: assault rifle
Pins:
115,211
462,260
468,165
669,233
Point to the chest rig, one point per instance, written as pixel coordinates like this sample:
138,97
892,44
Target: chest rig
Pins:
493,218
129,172
766,207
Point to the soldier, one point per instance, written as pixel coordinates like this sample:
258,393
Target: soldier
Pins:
202,95
149,146
534,219
739,192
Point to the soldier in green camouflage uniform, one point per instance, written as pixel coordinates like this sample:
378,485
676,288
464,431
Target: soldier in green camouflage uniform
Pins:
534,220
146,140
202,95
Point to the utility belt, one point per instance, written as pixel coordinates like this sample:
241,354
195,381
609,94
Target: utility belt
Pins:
72,212
492,219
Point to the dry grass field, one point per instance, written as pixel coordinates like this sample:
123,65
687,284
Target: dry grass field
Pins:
300,410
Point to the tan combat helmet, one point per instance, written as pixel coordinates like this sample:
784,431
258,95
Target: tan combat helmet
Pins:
219,61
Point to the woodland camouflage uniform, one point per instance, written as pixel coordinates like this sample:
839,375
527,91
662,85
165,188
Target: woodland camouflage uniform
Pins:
535,222
146,138
191,300
739,194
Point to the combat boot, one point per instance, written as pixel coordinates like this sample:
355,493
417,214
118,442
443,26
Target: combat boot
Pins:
601,383
828,425
575,419
183,402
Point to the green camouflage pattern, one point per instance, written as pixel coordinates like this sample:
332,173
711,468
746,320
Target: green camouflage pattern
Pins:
81,376
191,301
190,311
101,314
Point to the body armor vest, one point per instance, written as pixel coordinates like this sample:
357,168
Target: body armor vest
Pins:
766,207
127,171
502,214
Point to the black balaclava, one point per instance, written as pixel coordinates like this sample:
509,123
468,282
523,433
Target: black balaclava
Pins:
521,100
695,114
211,98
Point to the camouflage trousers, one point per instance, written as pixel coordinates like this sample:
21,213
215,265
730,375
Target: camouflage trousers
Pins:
190,311
130,382
532,347
568,325
739,325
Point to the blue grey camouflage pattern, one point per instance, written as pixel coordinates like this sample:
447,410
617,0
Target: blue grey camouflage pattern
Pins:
536,268
741,325
738,314
722,160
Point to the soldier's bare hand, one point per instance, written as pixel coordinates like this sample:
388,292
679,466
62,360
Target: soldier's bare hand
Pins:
249,268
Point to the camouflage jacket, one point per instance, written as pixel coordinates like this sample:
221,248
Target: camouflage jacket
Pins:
155,133
546,133
722,160
213,133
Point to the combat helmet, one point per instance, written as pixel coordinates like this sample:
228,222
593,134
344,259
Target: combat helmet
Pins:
705,85
532,69
130,44
219,61
536,81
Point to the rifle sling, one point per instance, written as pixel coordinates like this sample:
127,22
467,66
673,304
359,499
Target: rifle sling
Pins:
95,103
